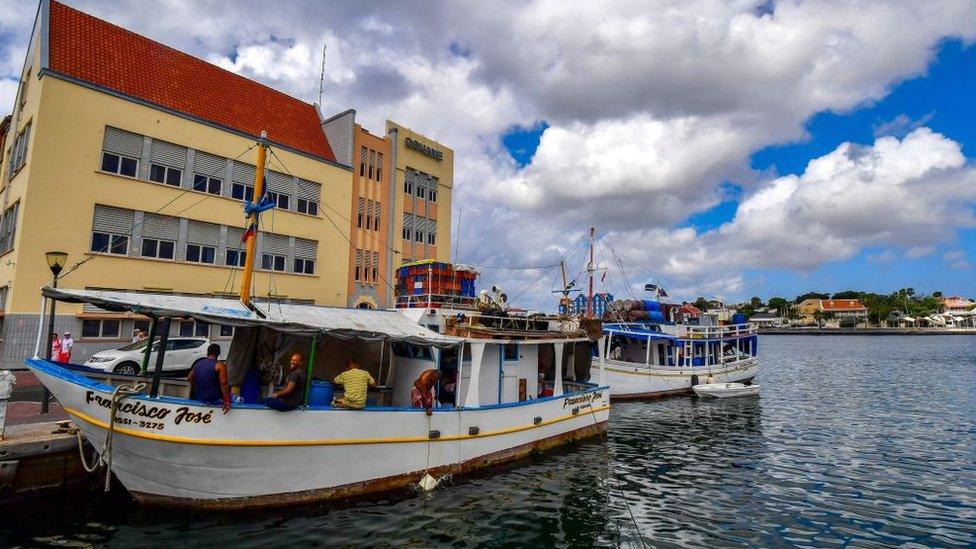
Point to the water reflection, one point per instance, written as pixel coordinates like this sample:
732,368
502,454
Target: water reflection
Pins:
833,453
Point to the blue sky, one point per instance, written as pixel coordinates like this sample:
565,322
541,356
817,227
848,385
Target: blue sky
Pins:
942,99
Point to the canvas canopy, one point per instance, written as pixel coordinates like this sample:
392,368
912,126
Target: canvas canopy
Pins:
302,320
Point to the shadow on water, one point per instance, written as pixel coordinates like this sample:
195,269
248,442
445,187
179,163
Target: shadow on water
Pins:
855,441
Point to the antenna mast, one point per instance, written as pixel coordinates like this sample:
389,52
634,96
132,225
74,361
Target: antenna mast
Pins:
322,75
589,270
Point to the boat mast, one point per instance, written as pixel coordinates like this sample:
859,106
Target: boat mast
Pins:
589,269
253,211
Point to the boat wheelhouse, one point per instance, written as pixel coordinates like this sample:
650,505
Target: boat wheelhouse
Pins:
648,360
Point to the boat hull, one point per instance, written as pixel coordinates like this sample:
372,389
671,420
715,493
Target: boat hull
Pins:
178,453
630,381
726,390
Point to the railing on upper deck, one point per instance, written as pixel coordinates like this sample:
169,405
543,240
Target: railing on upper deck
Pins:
728,331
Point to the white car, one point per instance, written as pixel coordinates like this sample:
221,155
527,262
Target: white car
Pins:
182,353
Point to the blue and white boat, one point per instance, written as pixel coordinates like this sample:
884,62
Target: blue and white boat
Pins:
654,359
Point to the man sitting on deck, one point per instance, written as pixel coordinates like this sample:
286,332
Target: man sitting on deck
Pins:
208,379
354,386
292,395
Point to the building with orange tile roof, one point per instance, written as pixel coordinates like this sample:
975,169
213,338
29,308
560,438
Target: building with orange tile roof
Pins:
136,159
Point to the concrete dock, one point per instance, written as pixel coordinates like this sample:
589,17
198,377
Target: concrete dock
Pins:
38,452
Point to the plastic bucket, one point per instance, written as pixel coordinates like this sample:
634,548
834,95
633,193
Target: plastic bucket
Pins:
320,393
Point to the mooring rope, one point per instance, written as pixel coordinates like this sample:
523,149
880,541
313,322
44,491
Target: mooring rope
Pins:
613,474
105,454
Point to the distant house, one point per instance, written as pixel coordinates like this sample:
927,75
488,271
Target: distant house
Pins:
839,308
954,303
766,319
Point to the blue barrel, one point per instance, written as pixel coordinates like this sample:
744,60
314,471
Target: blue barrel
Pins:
320,394
251,387
650,306
739,318
656,317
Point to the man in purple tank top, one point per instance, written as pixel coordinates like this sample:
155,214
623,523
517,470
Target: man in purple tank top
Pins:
208,379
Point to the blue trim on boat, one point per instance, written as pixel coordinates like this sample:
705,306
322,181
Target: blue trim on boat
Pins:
68,372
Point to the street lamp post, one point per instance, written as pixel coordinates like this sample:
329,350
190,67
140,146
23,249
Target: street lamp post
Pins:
55,261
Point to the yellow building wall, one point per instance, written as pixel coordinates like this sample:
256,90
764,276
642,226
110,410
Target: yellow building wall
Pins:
65,184
443,170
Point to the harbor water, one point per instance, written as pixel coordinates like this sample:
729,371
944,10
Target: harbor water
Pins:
863,441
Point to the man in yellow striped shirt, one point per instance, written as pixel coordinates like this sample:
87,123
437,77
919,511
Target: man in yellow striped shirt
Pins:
355,383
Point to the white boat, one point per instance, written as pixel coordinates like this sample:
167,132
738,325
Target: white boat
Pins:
174,451
649,360
167,449
726,390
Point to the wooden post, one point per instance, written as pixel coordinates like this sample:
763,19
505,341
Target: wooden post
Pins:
158,370
152,336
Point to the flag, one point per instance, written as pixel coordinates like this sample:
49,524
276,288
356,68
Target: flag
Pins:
251,231
603,276
661,292
650,287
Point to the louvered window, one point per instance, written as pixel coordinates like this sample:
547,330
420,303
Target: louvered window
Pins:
111,228
209,172
359,265
309,193
242,187
376,265
8,228
369,214
167,162
360,206
407,226
18,151
305,251
376,216
379,166
362,162
4,292
275,251
372,163
279,188
431,231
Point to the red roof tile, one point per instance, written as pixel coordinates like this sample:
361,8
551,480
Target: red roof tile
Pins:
841,304
95,51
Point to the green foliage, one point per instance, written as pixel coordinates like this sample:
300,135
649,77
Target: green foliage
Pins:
811,295
701,303
850,294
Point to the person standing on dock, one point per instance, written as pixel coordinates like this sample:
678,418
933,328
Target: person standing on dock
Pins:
292,395
66,345
208,379
55,348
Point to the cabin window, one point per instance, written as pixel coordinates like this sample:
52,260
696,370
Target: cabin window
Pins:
160,249
304,266
165,175
122,165
204,184
235,258
196,253
273,262
226,331
406,350
240,191
309,207
106,243
510,352
100,329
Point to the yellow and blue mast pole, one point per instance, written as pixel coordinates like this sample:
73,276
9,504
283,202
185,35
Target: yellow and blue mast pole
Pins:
253,211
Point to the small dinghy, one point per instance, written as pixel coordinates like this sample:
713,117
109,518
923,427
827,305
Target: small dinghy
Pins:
726,390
